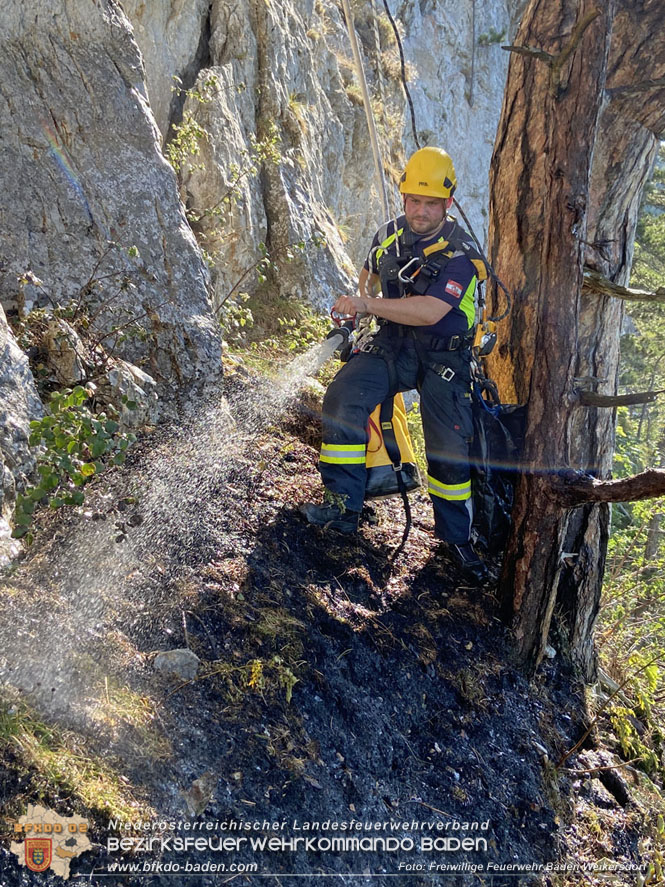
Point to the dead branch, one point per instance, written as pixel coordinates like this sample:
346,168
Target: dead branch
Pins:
556,62
591,399
529,51
574,488
596,283
599,769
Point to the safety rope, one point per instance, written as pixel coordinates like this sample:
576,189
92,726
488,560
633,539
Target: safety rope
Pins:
348,15
402,65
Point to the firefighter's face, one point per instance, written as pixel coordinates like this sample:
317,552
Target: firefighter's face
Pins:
425,215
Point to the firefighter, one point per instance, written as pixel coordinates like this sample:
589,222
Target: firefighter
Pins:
427,269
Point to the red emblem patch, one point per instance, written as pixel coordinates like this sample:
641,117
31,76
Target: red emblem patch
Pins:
454,289
38,854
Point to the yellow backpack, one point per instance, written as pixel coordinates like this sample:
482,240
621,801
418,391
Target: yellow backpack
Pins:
390,451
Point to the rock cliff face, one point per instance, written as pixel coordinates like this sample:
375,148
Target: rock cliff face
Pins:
290,64
97,216
81,168
19,403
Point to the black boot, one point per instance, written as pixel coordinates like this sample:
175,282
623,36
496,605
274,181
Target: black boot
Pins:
468,561
331,517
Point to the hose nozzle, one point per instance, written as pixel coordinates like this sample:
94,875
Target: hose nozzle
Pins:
343,332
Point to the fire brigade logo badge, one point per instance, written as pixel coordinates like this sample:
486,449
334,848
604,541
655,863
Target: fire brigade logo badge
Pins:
38,853
51,841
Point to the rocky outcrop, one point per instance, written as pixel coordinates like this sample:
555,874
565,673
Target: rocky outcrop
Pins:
90,206
173,37
19,404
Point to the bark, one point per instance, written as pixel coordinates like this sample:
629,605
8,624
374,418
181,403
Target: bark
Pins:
539,183
654,531
654,537
624,155
555,333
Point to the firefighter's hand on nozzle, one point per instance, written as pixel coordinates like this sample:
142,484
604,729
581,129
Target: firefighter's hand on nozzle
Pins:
349,306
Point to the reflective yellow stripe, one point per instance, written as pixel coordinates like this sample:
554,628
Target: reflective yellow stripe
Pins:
453,492
343,454
468,302
383,246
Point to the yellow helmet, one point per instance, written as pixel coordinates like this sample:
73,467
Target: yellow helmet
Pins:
430,173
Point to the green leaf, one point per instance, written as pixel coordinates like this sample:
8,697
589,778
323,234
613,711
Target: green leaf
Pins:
118,459
79,394
111,426
65,464
79,497
98,447
36,493
56,502
22,519
88,469
19,532
51,482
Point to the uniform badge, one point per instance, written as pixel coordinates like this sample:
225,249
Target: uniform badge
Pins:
454,289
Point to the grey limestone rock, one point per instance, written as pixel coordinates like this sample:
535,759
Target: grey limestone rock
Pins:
82,168
19,404
181,663
290,64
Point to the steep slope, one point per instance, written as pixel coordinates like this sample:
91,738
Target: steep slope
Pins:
335,685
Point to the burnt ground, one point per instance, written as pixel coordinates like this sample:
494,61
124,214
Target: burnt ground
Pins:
337,684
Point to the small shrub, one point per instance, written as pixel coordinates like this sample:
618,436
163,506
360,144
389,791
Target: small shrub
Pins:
74,444
491,37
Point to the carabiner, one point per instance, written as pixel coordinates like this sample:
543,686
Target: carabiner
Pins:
403,277
338,319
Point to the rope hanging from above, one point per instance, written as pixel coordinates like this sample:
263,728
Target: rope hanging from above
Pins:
378,166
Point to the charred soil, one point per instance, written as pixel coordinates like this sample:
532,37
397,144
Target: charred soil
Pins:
337,685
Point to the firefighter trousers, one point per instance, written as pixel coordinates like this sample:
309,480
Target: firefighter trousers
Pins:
445,405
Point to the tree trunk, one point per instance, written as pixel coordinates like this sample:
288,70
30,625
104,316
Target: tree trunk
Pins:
539,183
624,155
547,139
